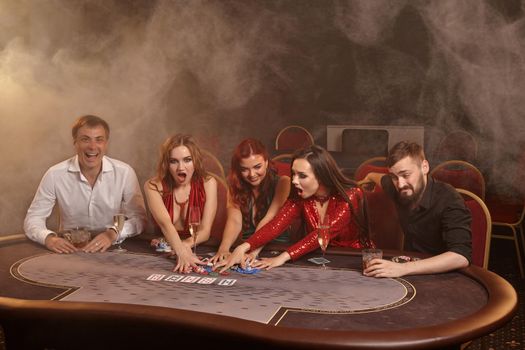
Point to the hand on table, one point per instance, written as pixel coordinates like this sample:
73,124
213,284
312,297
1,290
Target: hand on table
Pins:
269,263
220,256
250,258
186,260
385,268
237,257
59,245
101,242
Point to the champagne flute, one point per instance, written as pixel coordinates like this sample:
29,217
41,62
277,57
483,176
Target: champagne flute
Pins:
118,223
193,222
323,236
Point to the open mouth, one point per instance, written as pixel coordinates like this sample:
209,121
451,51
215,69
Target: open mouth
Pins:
299,191
91,155
181,177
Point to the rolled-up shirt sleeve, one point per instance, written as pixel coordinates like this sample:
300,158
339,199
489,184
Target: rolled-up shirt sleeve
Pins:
40,209
133,207
456,220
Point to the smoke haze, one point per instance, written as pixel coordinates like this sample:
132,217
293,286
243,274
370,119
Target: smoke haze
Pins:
225,70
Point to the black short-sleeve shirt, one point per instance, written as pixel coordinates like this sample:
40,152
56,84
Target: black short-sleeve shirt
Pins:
440,223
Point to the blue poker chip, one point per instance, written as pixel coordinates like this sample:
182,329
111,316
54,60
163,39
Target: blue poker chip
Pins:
247,271
207,268
163,246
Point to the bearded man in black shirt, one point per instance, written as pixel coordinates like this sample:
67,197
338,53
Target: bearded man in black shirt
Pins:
432,214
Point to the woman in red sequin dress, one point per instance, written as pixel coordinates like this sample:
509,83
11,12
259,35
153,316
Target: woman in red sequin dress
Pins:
319,189
181,183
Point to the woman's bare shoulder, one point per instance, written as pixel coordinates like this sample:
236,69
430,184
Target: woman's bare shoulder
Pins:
153,184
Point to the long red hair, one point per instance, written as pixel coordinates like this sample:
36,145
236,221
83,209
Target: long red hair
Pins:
240,191
163,174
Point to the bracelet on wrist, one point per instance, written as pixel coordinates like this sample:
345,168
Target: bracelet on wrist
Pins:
113,228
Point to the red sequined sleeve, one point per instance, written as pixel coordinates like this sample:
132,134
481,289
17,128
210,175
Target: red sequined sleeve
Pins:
288,212
340,216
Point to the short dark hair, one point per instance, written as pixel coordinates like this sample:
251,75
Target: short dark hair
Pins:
90,121
405,149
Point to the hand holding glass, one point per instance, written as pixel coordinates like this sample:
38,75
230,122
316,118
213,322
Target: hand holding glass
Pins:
369,255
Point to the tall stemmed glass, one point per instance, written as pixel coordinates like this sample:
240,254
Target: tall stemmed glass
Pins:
323,235
118,223
194,222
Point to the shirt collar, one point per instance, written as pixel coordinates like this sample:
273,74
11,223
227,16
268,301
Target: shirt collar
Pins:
74,166
106,165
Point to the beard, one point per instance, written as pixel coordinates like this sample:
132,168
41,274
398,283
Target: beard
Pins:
414,198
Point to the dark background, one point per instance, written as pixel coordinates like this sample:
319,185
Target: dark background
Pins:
225,70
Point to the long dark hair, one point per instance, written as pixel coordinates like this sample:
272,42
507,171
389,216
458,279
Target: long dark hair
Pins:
330,176
241,191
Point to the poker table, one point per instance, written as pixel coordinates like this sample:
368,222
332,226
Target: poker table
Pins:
133,300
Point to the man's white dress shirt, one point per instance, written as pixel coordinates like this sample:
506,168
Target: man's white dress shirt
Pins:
116,190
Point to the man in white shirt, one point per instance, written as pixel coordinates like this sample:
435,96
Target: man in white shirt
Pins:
89,189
